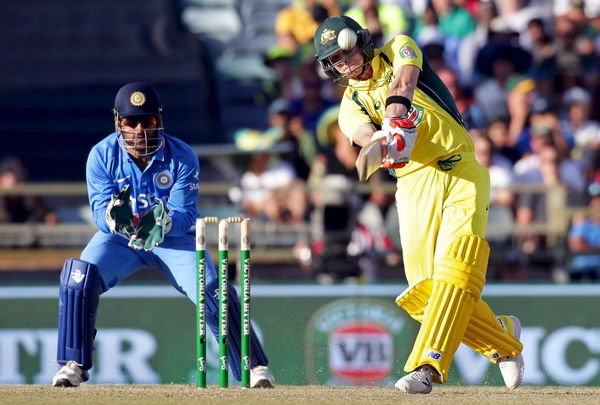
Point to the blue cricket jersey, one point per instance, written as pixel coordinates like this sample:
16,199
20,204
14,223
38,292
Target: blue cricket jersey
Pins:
171,176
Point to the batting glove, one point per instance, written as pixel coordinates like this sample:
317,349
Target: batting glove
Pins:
155,224
119,215
397,137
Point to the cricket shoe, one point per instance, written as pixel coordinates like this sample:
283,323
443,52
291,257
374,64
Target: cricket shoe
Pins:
511,367
70,375
417,382
260,377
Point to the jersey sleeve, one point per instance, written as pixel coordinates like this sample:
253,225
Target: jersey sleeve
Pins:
403,50
183,196
352,115
100,188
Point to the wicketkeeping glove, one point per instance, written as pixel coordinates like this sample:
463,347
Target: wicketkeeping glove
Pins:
118,213
155,224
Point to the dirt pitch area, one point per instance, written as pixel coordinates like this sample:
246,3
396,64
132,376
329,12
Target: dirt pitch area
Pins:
187,394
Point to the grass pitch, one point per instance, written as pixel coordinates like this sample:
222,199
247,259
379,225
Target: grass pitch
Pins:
187,394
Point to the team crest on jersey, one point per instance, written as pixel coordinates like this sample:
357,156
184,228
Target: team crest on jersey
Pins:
163,180
419,116
137,98
408,53
327,36
377,105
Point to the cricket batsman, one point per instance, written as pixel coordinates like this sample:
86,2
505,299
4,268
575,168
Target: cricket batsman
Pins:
143,190
398,110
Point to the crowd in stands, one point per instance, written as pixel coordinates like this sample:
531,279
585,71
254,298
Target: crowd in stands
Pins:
525,75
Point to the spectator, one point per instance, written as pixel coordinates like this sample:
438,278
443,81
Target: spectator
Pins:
336,154
584,240
574,54
502,63
432,45
15,208
578,125
543,167
280,60
472,43
270,188
472,114
384,21
537,40
500,215
516,13
296,25
504,258
497,131
543,118
454,21
312,102
450,20
534,168
371,239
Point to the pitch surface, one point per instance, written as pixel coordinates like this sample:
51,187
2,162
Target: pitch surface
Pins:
187,394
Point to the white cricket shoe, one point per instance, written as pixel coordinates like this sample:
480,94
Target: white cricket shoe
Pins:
70,375
417,382
260,377
511,367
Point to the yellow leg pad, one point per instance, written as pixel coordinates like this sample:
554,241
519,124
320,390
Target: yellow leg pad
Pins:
414,299
485,335
456,287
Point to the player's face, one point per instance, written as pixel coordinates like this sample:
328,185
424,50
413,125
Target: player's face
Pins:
140,135
350,63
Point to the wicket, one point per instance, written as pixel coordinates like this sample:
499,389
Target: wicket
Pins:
223,299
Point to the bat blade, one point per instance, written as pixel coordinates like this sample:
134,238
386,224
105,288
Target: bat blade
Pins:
369,160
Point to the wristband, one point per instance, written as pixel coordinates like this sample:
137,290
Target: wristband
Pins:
400,100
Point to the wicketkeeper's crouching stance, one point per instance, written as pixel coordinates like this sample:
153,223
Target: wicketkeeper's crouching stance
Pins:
143,190
405,119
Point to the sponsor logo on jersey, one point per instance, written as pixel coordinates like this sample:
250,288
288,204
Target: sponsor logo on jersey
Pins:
327,36
408,53
349,343
137,98
163,180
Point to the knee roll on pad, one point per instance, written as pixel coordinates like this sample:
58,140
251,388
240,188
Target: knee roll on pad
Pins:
456,287
464,264
79,295
257,353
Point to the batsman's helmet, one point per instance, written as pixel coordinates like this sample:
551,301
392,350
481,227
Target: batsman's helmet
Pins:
333,35
139,99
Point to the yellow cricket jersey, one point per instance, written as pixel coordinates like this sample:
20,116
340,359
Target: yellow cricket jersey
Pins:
440,128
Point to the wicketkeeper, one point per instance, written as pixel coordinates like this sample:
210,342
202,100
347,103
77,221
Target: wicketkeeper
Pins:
403,116
143,190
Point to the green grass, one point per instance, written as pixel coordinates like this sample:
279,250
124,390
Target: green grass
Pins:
187,394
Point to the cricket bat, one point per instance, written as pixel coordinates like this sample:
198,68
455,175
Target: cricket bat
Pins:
369,159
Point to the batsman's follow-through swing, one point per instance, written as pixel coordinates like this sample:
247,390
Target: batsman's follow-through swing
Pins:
399,111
